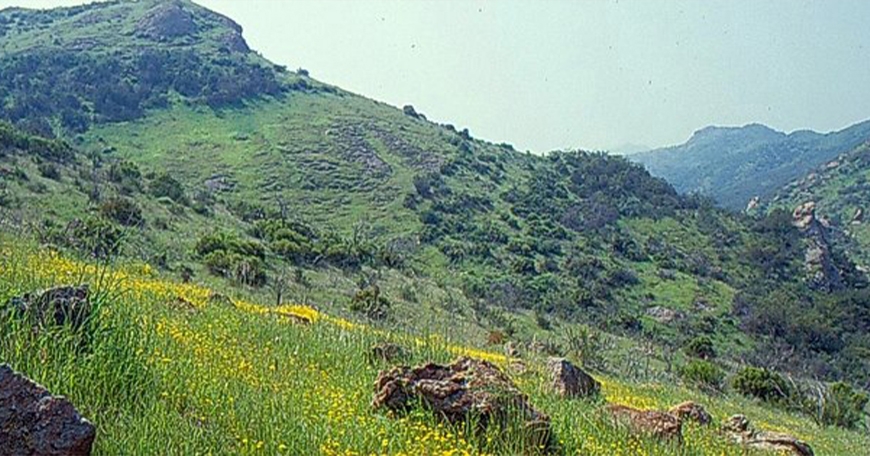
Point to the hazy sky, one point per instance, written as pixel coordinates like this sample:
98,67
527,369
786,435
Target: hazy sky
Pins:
565,74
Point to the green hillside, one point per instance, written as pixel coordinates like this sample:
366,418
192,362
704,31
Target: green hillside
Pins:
148,132
840,192
732,165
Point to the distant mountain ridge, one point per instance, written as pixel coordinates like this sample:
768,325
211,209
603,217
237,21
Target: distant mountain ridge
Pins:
734,164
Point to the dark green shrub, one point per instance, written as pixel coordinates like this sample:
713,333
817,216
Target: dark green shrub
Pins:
49,171
702,374
701,347
166,186
762,384
843,406
370,303
122,210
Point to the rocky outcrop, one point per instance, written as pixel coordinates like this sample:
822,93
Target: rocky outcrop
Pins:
739,429
467,389
166,21
661,425
571,381
753,204
55,306
664,315
823,273
691,411
33,422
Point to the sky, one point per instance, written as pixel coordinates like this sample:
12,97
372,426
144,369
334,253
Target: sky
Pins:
545,75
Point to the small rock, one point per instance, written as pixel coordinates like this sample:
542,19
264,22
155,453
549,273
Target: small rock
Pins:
741,432
650,422
387,352
664,315
217,299
571,381
691,411
511,351
467,388
58,306
33,422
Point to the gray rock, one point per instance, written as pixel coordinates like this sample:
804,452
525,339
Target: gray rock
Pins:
55,306
466,389
571,381
35,423
738,428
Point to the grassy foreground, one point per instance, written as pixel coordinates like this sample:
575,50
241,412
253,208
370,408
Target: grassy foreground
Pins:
165,371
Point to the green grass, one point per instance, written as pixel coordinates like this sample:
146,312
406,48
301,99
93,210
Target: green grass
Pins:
158,379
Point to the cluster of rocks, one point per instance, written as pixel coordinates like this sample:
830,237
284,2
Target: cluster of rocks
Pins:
470,389
352,145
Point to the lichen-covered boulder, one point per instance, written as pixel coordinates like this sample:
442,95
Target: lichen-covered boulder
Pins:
691,411
467,389
35,423
571,381
739,429
54,306
654,423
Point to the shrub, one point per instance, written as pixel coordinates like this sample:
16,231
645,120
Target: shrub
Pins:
843,406
165,186
370,303
762,384
49,171
702,374
123,210
701,347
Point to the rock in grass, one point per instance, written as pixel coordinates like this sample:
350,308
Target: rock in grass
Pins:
654,423
571,381
55,306
467,389
691,411
741,432
33,422
387,352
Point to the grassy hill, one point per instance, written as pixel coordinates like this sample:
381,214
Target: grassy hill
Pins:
734,164
148,131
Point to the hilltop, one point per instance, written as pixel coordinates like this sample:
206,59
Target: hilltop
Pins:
149,132
732,165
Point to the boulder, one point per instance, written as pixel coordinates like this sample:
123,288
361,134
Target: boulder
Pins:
691,411
739,429
55,306
571,381
33,422
658,424
466,389
858,216
387,352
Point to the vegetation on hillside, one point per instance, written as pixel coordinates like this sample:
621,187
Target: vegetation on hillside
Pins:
191,154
